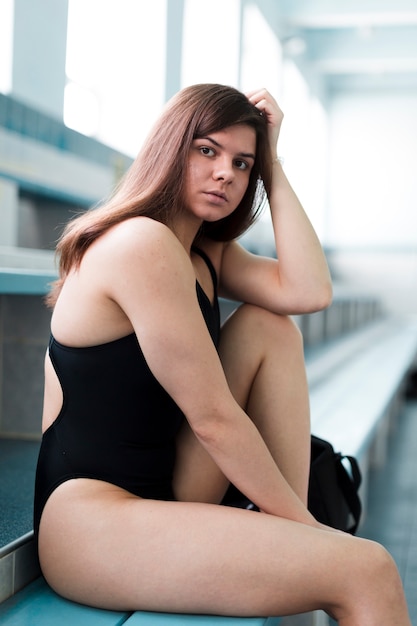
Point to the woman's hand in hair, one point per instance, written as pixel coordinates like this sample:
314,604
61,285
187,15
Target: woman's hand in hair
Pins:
263,101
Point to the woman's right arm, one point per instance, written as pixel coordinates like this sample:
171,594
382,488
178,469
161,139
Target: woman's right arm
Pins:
150,276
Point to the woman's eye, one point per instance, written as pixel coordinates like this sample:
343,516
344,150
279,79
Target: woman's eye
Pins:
241,165
207,151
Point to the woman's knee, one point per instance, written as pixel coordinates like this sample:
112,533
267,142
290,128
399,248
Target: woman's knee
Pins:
367,584
384,570
253,337
375,575
252,322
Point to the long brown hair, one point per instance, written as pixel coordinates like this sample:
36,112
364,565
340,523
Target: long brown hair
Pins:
154,184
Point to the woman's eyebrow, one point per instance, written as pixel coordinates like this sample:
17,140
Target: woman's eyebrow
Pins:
247,155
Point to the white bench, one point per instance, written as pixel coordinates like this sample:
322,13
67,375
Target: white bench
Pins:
355,392
38,605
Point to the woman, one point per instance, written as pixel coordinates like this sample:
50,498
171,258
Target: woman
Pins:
145,422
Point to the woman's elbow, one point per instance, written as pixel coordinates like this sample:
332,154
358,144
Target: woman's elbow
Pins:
317,299
325,296
211,431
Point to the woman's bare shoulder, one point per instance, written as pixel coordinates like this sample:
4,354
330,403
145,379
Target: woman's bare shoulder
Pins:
143,229
136,242
139,252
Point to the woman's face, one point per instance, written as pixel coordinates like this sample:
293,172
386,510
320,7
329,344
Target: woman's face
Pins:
219,168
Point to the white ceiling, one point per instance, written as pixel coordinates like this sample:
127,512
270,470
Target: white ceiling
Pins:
351,44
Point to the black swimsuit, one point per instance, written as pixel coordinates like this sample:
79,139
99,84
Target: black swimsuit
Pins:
117,423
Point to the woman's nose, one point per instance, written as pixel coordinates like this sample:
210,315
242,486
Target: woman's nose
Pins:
223,170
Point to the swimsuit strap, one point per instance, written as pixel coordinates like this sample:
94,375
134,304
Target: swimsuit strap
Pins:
208,262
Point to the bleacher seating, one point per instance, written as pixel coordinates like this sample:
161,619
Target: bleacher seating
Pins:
38,605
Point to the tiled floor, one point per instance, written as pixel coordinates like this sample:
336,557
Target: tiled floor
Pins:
392,511
17,471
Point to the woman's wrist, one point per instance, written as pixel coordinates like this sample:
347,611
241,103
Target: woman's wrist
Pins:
277,159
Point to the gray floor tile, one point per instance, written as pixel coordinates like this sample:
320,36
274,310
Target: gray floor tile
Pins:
17,474
392,505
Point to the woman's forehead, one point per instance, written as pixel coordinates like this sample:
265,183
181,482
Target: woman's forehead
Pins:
240,137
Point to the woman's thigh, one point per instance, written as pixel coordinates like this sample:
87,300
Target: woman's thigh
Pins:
101,546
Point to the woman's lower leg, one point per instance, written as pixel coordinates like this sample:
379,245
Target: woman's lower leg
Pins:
263,358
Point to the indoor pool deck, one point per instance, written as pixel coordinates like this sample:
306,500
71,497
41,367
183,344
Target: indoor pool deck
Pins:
392,512
392,509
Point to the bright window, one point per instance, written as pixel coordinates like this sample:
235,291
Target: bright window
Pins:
6,45
211,42
115,69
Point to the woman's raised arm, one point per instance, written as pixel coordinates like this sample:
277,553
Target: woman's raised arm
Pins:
300,280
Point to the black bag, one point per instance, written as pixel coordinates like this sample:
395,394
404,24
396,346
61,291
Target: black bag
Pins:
333,496
333,490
